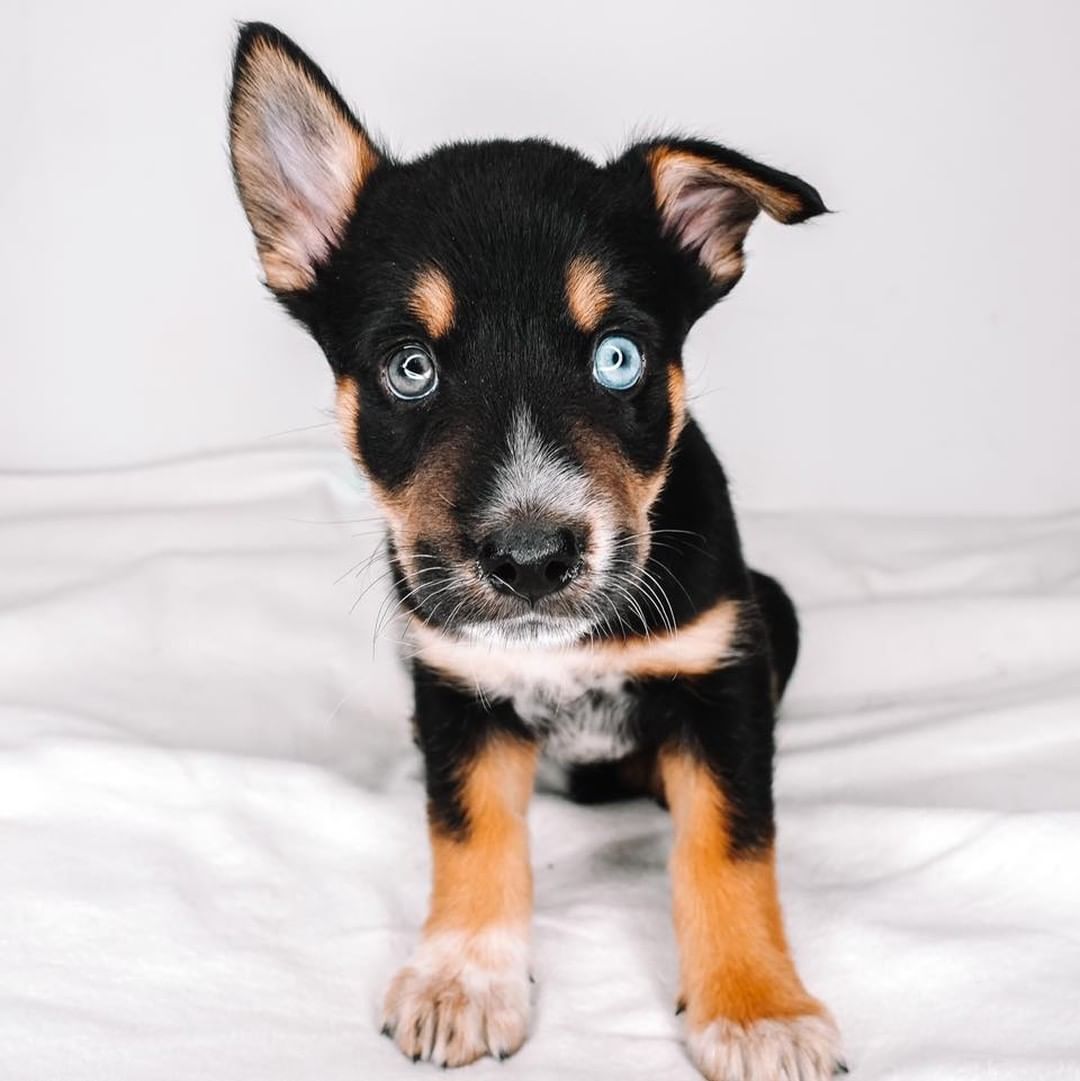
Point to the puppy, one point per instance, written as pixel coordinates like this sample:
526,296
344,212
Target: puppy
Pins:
505,321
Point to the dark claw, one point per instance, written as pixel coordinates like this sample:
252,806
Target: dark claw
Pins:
680,1007
504,1055
417,1057
841,1067
387,1030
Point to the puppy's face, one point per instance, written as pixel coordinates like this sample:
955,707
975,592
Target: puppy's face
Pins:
505,323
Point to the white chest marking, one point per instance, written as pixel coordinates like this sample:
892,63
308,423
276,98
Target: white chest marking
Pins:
578,720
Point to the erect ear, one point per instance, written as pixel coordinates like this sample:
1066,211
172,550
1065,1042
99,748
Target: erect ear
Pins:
706,197
299,156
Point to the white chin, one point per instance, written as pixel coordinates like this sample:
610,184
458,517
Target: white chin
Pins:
534,631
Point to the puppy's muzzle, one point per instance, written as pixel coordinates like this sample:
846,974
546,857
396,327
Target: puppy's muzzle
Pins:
531,560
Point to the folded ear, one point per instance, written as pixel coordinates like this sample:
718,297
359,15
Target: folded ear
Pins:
706,197
299,156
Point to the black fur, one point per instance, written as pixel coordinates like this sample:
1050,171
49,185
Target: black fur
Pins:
781,626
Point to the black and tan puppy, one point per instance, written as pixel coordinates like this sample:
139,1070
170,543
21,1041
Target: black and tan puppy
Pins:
505,323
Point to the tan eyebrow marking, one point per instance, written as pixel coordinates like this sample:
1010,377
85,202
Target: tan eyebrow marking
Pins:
586,292
432,301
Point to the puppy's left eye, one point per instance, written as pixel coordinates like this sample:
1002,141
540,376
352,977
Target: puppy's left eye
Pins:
411,373
617,363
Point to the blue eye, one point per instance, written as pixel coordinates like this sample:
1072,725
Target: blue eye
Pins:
617,363
411,373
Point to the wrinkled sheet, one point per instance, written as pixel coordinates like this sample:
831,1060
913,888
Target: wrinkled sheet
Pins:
212,843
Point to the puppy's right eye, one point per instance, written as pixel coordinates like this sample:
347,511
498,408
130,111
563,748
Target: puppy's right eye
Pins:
617,363
411,373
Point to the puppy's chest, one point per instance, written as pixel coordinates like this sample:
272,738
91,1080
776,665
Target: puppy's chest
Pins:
578,718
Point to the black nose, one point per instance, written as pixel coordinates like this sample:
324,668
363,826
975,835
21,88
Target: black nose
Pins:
530,560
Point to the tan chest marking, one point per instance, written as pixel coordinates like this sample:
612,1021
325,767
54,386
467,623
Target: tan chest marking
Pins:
704,644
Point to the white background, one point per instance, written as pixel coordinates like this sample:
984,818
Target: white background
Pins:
916,351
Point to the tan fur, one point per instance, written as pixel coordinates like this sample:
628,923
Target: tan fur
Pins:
424,502
423,506
677,402
704,644
631,493
734,953
290,243
348,414
674,170
700,646
483,879
587,294
671,168
432,301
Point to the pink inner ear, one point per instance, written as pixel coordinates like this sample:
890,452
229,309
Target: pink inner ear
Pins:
316,171
706,215
300,161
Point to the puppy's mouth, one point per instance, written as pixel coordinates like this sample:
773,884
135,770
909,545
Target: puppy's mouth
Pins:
528,630
526,585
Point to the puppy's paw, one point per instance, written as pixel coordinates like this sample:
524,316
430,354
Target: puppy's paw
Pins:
461,997
805,1048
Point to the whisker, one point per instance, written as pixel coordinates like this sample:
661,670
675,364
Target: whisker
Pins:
367,589
674,577
304,428
648,593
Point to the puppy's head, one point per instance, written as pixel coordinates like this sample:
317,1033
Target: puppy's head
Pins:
505,323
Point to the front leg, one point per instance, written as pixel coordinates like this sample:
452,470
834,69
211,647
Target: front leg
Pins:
465,992
748,1016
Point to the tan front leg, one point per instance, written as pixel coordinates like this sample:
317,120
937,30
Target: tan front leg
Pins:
465,992
748,1016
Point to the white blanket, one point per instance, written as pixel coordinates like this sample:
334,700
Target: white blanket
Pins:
212,841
